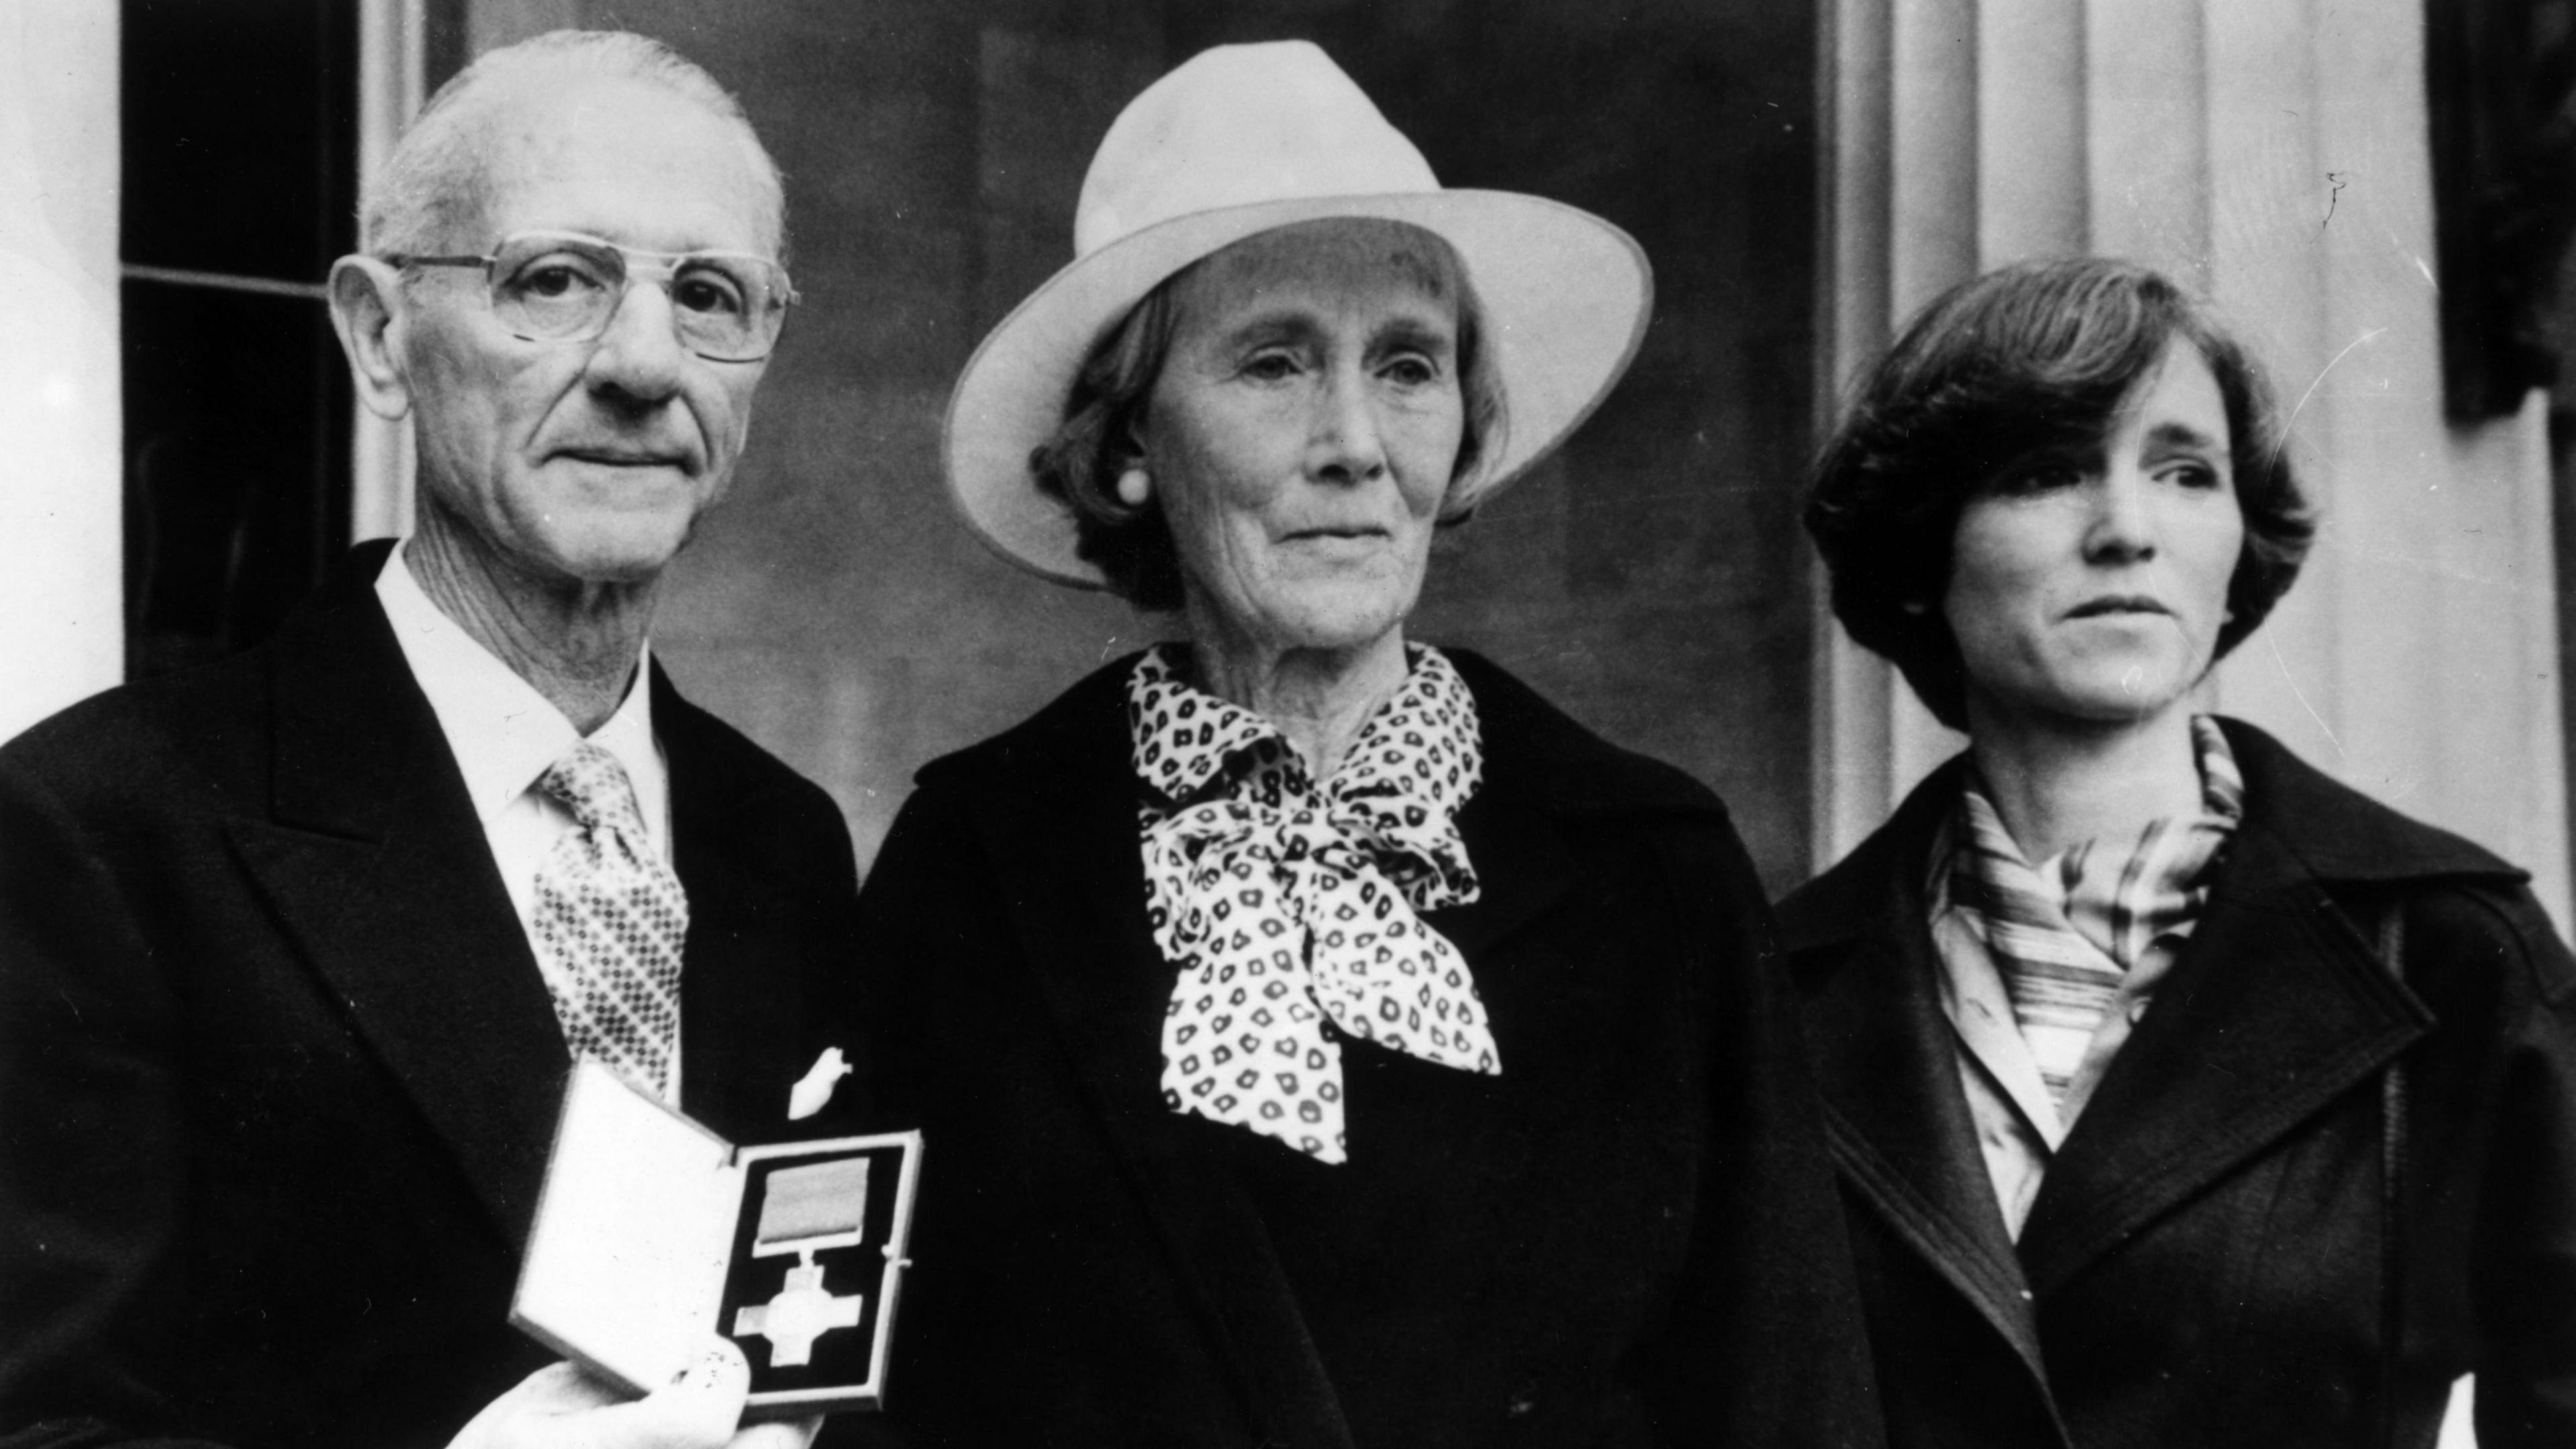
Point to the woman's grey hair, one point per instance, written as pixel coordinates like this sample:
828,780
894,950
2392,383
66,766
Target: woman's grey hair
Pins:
435,180
1131,544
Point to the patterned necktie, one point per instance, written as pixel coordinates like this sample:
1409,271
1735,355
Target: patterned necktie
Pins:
610,919
2067,933
1285,904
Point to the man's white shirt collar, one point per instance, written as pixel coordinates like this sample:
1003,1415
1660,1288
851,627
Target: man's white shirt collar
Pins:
504,733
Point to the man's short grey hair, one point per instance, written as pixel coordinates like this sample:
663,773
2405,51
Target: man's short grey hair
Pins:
435,180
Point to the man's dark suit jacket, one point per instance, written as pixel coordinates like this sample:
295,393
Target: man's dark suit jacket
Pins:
2208,1261
278,1073
1629,1237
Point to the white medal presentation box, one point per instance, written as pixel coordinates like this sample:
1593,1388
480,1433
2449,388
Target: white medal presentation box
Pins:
652,1232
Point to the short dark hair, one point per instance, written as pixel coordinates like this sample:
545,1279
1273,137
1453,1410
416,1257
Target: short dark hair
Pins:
2032,356
1131,544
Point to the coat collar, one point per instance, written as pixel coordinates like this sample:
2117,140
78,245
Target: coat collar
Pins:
373,855
2329,832
2319,830
2278,1005
1055,802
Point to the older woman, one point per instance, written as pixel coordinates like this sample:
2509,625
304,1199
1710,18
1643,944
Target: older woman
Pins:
1321,1040
2182,1095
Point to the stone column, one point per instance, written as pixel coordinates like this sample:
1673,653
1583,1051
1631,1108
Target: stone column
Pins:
392,53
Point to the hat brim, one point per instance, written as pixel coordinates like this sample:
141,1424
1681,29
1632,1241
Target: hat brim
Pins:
1565,297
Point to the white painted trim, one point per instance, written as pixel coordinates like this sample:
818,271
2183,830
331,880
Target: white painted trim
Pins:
392,81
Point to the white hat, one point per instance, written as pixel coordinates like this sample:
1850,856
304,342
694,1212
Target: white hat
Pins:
1239,140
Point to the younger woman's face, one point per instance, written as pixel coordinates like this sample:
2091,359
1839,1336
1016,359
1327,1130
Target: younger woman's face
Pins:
2090,584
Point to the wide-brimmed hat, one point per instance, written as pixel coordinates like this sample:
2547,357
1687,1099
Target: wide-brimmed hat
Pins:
1236,141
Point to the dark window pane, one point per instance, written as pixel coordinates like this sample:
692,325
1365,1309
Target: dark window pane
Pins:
239,150
240,135
236,467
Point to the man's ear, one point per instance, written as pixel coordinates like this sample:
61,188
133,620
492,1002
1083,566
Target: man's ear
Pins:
367,312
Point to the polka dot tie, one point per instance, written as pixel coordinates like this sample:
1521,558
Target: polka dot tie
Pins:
611,918
1285,904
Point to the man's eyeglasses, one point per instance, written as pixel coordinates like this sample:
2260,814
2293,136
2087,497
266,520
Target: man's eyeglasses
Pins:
556,286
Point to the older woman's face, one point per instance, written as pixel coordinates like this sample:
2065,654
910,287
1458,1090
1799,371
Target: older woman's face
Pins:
2091,584
1303,431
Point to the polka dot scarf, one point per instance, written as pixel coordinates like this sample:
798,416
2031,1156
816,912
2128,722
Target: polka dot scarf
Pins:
1283,903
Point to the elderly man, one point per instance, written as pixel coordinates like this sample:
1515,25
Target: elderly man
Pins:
295,950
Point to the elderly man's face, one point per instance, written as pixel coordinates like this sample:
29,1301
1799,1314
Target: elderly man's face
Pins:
588,460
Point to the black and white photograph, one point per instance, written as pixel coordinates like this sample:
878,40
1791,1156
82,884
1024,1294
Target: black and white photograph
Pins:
1299,724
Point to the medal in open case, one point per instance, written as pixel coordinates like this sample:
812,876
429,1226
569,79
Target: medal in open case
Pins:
654,1232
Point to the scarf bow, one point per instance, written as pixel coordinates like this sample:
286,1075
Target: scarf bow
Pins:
1284,904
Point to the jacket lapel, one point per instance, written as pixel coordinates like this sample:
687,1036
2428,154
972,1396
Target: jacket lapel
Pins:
1887,1067
378,866
2278,1006
747,1031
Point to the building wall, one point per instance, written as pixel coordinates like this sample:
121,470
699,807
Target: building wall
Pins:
1649,578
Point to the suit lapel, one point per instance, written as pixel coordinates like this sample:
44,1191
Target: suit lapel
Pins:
379,868
1887,1068
747,1031
2277,1007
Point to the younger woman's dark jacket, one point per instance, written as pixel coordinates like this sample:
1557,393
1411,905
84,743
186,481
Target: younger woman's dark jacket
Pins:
2209,1261
1629,1237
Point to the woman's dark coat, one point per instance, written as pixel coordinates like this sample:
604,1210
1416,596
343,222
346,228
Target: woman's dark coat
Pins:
1628,1237
2206,1261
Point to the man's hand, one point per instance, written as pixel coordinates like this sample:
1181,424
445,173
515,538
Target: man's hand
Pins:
561,1407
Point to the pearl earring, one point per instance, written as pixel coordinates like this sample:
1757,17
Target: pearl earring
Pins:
1133,486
